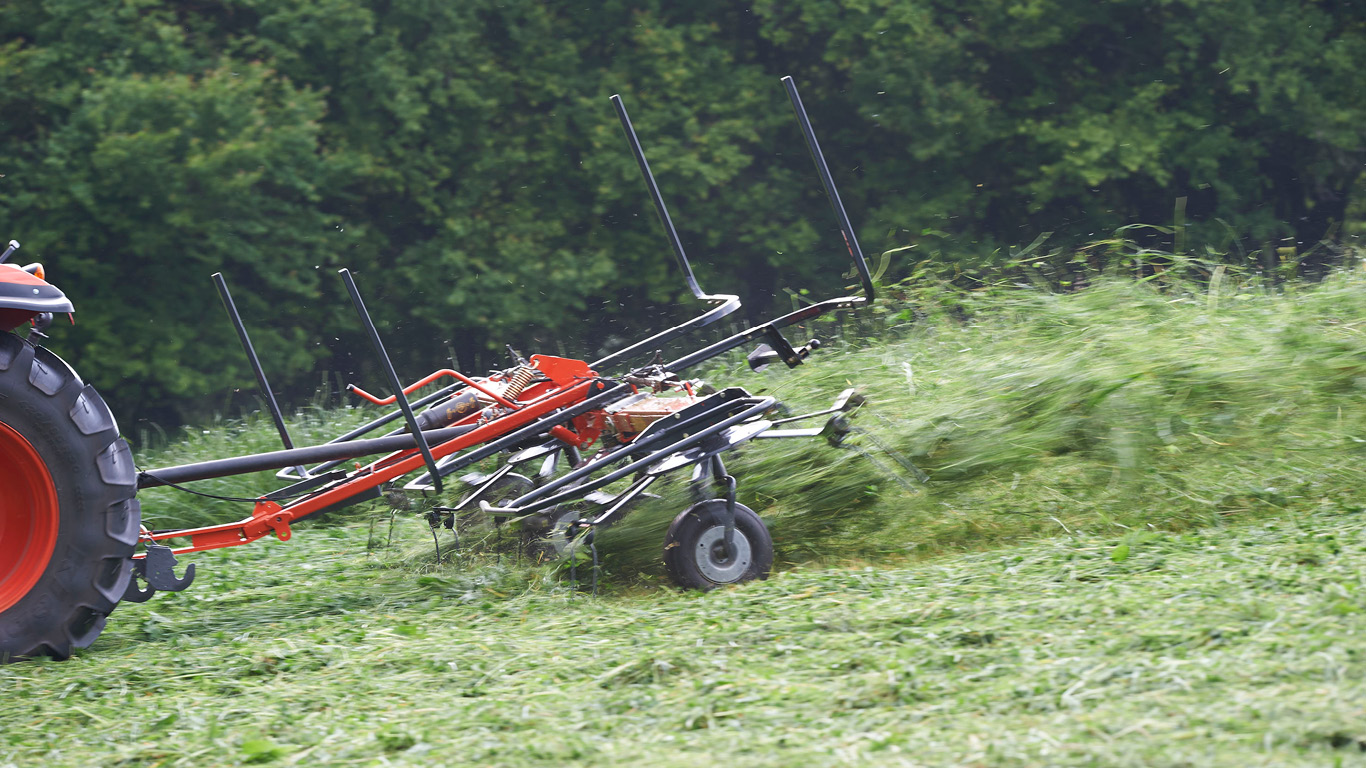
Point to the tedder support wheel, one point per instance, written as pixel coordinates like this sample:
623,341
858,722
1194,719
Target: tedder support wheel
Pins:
69,518
695,554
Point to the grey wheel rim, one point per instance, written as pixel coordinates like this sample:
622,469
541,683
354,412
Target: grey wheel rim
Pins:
713,560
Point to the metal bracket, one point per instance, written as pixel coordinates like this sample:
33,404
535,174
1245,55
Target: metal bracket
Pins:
157,568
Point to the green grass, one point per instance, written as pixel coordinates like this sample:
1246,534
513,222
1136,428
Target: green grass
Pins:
1142,543
1233,645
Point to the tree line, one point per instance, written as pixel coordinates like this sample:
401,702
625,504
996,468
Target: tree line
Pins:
463,160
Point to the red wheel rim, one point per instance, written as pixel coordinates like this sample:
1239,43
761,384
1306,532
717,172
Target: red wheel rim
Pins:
28,517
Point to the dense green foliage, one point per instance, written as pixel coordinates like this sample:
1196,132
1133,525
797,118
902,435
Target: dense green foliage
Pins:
463,159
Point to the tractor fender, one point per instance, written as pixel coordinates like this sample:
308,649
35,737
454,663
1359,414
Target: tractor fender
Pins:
23,295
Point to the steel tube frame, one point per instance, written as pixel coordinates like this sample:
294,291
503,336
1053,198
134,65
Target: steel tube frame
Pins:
269,515
537,500
372,426
257,462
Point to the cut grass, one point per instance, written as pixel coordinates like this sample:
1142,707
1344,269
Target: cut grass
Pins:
1142,543
1232,645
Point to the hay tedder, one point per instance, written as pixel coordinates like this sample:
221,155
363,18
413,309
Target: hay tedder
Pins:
589,439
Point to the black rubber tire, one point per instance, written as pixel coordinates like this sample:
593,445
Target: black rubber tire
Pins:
686,553
73,432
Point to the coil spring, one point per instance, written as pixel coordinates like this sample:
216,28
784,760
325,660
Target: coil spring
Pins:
518,381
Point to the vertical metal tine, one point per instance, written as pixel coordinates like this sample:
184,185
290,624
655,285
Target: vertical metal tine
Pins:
831,193
393,380
657,198
256,368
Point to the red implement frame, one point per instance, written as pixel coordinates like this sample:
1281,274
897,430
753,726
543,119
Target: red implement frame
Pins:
570,384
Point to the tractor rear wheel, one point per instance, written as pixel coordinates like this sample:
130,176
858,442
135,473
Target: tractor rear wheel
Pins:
69,516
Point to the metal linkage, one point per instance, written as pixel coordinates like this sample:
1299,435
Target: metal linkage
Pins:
684,433
762,331
607,392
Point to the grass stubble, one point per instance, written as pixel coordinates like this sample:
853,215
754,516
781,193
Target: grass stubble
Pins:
1142,544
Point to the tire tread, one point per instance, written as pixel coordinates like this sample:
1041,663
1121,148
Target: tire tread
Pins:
91,563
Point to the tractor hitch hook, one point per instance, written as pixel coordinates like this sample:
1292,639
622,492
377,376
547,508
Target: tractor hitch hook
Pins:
158,570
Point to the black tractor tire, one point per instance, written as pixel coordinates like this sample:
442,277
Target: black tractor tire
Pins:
80,515
694,553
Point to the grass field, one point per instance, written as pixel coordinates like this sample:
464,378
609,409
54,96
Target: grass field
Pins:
1142,543
1233,645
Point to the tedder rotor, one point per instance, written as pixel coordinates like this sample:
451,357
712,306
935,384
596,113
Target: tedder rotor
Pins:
72,546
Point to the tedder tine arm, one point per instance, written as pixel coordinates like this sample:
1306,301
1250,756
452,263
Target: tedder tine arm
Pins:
256,368
657,198
726,303
393,379
828,182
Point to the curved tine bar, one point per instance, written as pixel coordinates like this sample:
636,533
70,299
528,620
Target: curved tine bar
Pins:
726,302
656,197
393,377
660,208
756,333
731,304
827,181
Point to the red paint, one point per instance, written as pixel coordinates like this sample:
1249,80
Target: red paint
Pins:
13,318
12,274
29,516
